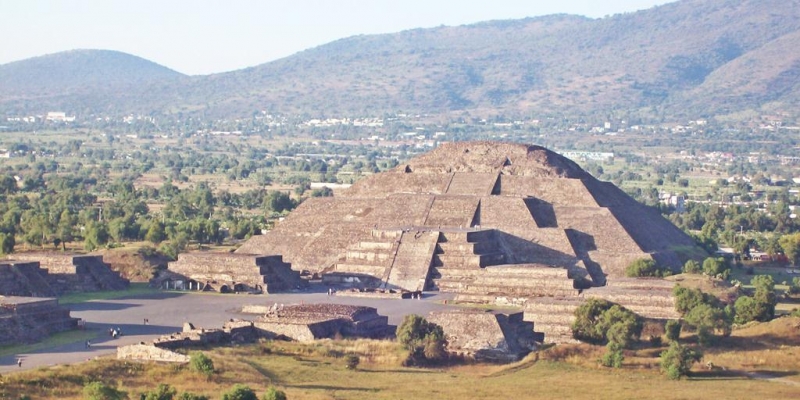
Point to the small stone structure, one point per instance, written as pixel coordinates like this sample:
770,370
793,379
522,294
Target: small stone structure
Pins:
55,274
229,272
29,319
487,336
302,322
307,322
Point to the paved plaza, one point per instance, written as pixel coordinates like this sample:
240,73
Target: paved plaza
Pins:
166,312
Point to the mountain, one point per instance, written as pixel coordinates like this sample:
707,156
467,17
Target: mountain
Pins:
73,78
690,57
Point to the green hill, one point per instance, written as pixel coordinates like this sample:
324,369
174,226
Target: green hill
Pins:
690,57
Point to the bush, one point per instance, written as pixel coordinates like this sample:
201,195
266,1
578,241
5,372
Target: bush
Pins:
274,394
191,396
686,299
759,307
424,340
162,392
613,356
692,267
707,320
240,392
794,288
100,391
599,321
352,361
673,330
677,360
643,267
716,267
201,363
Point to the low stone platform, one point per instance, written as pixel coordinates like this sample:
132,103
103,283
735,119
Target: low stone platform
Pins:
44,274
487,336
306,322
30,319
228,273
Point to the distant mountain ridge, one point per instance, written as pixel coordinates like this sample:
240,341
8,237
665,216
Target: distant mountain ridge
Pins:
691,57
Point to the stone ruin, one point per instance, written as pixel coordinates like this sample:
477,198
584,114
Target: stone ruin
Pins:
307,322
30,319
487,336
230,272
56,274
492,222
300,322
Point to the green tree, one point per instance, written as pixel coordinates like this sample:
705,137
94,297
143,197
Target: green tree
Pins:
642,267
677,360
95,236
673,330
708,320
155,233
716,266
692,267
599,321
761,306
7,243
240,392
424,340
199,362
791,246
100,391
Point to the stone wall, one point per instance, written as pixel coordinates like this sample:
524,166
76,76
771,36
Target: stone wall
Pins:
28,319
150,352
486,336
234,272
63,273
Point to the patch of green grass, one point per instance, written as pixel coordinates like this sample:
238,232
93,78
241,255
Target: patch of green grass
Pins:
58,339
135,289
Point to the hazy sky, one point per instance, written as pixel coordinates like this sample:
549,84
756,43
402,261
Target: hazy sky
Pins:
202,37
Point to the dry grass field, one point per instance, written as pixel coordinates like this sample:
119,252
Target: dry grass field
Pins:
317,371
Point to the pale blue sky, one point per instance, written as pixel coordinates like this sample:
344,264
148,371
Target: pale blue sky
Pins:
201,37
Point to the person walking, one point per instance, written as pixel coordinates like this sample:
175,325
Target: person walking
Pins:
19,362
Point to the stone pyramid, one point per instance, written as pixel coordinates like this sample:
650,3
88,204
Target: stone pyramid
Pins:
477,218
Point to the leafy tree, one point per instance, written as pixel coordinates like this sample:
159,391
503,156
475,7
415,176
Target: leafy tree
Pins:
677,360
686,299
155,233
162,392
240,392
707,320
95,236
424,340
716,266
7,243
692,267
791,246
278,202
759,307
673,330
191,396
643,267
613,356
599,321
199,362
274,394
100,391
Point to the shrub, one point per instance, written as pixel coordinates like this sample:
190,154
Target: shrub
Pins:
613,356
686,299
692,267
352,361
716,267
707,320
673,330
201,363
599,321
794,288
240,392
100,391
424,340
643,267
274,394
759,307
191,396
677,360
162,392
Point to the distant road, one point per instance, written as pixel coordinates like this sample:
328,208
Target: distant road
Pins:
168,311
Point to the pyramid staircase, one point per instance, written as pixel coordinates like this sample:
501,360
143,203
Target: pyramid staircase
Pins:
373,257
460,255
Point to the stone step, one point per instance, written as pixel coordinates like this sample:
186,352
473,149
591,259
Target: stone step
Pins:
374,270
456,248
476,260
366,245
374,256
